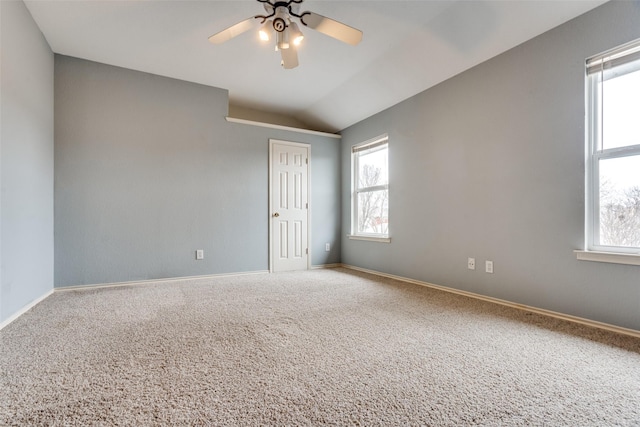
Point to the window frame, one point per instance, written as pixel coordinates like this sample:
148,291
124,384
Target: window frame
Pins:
356,150
596,67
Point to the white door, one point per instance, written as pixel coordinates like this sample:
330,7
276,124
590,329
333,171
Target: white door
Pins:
289,206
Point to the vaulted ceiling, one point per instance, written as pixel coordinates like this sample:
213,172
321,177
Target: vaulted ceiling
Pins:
408,46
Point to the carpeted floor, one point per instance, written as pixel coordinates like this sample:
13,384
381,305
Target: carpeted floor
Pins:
319,347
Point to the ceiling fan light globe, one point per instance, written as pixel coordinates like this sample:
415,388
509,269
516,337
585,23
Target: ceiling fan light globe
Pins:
265,32
296,34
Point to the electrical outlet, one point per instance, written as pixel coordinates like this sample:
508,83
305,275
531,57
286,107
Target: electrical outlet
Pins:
488,267
327,247
200,254
471,263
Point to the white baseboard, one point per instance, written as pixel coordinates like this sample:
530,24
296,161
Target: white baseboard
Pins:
562,316
166,280
25,309
322,266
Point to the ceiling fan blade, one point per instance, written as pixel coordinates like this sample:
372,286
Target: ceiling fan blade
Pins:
234,30
332,28
289,57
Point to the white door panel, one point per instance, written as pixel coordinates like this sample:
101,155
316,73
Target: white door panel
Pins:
289,199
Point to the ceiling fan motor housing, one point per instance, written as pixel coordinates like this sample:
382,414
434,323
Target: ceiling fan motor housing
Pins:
279,24
281,17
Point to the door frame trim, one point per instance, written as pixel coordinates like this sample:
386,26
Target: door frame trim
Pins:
272,142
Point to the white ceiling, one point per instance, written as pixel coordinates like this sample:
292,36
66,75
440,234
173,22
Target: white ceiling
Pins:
408,46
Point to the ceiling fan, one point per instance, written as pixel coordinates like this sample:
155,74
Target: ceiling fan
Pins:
279,19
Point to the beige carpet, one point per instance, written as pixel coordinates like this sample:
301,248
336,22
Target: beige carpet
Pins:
319,347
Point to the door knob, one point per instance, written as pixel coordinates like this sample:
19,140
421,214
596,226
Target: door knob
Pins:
276,214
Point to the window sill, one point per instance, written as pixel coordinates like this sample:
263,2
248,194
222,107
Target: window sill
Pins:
610,257
369,238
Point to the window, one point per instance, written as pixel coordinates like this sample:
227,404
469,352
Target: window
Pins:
613,153
370,195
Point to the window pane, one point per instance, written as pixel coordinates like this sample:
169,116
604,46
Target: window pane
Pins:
372,167
620,201
373,212
620,111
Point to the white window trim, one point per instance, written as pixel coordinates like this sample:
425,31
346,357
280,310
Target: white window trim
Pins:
381,238
369,238
593,155
610,257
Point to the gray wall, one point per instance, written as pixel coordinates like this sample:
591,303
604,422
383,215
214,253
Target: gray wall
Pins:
26,167
490,164
148,171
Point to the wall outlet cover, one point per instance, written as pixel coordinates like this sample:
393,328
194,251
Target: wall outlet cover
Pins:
471,263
